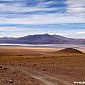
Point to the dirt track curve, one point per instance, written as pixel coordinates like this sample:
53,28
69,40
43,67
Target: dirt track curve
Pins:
44,78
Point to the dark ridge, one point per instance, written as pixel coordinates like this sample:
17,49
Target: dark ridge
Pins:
70,50
42,39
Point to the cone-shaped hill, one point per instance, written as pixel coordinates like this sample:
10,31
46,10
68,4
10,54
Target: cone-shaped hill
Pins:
70,50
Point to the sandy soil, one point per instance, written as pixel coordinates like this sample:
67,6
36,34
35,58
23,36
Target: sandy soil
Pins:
40,66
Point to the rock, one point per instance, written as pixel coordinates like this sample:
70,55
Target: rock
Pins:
10,81
1,67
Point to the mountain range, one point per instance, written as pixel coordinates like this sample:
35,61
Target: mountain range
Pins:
42,39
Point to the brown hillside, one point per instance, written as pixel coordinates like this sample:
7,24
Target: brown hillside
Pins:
70,50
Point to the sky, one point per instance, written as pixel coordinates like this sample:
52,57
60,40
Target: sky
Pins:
27,17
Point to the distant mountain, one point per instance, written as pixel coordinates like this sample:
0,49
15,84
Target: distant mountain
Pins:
42,39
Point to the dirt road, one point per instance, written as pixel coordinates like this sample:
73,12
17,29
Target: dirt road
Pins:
44,77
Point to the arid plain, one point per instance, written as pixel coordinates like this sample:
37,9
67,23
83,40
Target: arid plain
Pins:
41,66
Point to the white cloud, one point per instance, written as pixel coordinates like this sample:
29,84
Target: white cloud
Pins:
75,7
80,34
9,28
43,19
83,32
17,8
75,14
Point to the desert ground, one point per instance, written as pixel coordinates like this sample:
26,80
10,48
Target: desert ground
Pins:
41,66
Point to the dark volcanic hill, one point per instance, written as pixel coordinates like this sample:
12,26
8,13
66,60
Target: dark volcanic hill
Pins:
70,50
42,39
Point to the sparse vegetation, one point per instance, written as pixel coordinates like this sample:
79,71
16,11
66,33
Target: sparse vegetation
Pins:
71,65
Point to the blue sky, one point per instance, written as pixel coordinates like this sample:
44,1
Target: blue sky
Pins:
24,17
